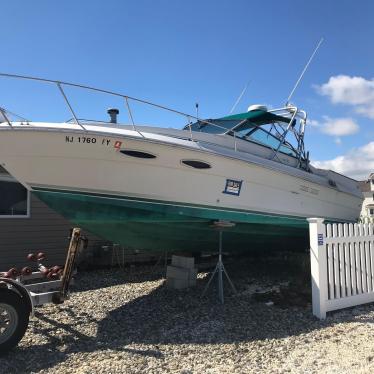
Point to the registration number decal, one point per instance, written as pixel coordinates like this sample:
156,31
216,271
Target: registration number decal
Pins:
87,140
311,190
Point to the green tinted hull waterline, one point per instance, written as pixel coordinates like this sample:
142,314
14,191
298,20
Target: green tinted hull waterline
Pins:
156,226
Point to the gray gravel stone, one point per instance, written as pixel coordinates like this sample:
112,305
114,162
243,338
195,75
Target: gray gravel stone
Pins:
128,322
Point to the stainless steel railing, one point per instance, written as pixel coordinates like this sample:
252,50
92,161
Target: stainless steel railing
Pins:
127,98
288,110
60,85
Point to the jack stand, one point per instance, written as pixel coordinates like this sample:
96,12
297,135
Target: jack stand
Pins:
220,268
165,255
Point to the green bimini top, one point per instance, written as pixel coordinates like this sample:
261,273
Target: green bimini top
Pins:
250,120
258,116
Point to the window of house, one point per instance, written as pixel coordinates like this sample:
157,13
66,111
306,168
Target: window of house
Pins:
14,198
371,211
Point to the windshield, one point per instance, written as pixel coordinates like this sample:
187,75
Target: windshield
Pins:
265,138
257,126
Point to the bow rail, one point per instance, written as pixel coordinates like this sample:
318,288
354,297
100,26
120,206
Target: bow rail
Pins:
60,85
288,111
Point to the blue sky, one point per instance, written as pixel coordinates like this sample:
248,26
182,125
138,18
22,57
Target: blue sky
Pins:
180,52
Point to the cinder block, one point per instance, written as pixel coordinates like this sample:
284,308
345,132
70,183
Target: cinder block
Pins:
176,283
183,262
177,273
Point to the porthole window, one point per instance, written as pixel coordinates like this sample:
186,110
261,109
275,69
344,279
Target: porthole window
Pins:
137,154
196,164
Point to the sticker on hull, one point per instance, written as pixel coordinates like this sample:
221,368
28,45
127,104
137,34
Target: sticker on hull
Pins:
233,187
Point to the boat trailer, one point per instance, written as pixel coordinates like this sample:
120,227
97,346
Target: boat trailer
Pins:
21,291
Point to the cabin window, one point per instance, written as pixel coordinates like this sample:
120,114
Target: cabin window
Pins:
15,199
371,211
137,154
196,164
265,138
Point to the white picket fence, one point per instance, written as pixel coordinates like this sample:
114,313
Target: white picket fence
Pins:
342,265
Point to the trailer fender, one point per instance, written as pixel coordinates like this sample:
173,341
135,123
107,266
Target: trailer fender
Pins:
20,290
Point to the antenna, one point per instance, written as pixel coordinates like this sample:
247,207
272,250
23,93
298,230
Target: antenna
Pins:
239,98
303,72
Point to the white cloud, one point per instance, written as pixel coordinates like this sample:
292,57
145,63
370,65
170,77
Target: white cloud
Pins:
339,126
336,127
313,123
355,91
358,163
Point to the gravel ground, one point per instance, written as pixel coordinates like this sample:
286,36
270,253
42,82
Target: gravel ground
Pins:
128,322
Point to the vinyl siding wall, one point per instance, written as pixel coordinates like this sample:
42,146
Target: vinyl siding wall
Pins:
44,231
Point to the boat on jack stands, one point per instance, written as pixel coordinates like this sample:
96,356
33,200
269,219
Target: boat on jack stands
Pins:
159,188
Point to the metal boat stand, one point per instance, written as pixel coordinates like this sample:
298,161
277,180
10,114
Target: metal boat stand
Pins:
220,267
162,256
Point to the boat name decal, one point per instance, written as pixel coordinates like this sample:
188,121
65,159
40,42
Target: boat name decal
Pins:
87,140
320,239
311,190
233,187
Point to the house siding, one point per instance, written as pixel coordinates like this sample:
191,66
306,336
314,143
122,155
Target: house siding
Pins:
367,188
44,231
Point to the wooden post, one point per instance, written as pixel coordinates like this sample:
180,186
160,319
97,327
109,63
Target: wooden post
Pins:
75,242
318,264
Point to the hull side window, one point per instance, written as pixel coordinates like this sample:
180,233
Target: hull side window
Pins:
137,154
196,164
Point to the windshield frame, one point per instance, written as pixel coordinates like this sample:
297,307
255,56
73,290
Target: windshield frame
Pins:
284,127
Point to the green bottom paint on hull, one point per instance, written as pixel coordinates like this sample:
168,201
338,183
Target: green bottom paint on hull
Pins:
154,226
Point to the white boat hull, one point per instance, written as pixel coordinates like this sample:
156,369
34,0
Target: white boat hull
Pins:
91,162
